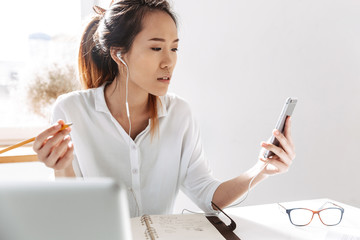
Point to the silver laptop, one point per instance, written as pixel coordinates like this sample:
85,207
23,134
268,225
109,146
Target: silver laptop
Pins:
64,210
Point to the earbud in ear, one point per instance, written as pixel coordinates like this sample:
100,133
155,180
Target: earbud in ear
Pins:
118,54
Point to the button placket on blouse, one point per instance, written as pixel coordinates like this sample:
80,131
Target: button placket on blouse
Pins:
134,161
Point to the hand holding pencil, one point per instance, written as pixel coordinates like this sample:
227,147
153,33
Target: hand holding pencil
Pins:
54,147
28,140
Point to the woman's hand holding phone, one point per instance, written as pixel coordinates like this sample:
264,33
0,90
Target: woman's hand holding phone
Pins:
284,153
278,153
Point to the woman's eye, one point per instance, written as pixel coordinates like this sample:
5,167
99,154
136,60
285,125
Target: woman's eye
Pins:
156,49
174,49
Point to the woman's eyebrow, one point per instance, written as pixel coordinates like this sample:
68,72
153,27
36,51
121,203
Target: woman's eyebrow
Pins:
162,40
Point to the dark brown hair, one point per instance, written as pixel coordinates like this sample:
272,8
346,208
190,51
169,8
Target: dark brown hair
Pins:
117,27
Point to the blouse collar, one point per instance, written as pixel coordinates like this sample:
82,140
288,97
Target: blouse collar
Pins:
100,103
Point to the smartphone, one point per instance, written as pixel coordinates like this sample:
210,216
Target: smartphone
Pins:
287,111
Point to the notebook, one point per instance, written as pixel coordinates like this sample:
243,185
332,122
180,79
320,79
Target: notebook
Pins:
64,209
179,227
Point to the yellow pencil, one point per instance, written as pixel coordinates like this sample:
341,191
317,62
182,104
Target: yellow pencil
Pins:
29,140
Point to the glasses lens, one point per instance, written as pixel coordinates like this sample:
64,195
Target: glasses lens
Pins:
330,216
301,216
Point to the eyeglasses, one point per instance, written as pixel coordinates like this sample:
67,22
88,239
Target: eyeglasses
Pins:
329,216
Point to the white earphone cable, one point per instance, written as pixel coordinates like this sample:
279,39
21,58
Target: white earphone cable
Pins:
248,190
127,94
128,115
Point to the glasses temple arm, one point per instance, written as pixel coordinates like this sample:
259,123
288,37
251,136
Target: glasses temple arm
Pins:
331,204
282,208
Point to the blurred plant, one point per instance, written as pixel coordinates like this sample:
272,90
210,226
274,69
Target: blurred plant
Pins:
47,84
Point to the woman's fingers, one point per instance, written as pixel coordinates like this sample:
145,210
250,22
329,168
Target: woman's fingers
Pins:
285,144
66,159
284,153
287,130
275,166
283,156
51,144
54,146
54,141
42,137
57,152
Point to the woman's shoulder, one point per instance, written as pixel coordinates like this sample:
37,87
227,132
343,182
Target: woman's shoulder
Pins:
78,103
172,99
176,103
74,96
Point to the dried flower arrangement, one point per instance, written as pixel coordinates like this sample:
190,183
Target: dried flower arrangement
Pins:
50,83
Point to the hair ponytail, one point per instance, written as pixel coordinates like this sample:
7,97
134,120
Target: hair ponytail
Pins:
95,67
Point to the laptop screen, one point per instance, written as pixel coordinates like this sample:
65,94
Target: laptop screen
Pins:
64,209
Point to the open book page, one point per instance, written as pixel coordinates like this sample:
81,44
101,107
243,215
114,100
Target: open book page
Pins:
177,226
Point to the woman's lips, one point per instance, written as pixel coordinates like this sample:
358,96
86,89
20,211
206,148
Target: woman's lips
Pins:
164,79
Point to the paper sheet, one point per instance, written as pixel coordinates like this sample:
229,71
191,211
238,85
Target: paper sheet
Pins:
178,226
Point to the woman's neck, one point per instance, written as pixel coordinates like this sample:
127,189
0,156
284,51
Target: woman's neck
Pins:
115,97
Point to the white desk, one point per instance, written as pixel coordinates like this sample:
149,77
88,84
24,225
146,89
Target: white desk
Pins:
268,222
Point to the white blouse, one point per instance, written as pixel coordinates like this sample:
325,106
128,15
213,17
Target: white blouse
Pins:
153,169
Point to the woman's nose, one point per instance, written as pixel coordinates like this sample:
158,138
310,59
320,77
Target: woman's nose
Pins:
168,60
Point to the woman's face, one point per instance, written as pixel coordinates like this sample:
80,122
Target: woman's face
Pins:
152,56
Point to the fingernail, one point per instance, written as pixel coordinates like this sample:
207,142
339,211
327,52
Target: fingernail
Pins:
276,132
264,144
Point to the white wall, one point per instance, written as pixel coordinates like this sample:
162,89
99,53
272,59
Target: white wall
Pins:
239,60
237,63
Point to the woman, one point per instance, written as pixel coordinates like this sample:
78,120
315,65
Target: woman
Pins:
127,127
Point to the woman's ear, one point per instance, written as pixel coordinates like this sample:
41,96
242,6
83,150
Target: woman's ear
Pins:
115,54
